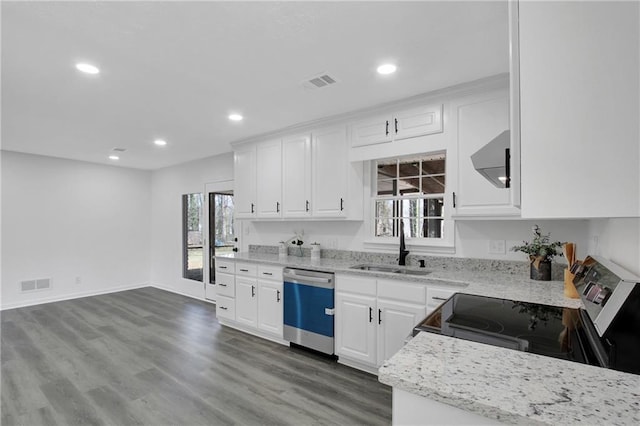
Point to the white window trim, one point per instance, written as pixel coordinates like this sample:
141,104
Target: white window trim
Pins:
445,245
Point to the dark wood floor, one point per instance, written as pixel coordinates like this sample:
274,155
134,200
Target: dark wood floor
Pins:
149,357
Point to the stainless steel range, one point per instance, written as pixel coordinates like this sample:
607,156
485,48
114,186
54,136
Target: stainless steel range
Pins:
605,333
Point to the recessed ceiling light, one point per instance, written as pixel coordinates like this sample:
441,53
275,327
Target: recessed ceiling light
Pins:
114,157
235,117
160,142
386,69
87,68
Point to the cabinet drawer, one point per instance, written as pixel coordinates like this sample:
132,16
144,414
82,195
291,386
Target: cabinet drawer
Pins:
225,285
246,269
435,296
355,284
226,308
402,291
270,272
225,266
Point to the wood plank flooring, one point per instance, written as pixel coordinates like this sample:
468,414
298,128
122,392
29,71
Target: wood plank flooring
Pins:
150,357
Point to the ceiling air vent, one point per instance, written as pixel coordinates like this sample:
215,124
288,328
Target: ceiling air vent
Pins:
119,149
319,81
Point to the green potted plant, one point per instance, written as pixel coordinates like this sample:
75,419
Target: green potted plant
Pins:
541,251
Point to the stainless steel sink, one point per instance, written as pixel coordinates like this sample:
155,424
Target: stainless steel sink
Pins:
391,269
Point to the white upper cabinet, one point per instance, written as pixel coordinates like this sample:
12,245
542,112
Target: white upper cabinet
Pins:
484,149
396,126
330,171
296,177
244,172
269,179
579,109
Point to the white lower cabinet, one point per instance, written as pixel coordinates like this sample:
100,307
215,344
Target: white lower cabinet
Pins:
246,301
395,322
355,328
270,306
374,318
226,308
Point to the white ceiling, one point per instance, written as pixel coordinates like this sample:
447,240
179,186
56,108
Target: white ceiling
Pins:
175,70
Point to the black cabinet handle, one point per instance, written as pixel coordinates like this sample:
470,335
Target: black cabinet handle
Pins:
341,204
267,273
277,206
253,291
222,285
507,167
441,299
252,207
277,295
370,314
244,270
386,129
307,205
454,200
396,125
222,267
223,308
379,316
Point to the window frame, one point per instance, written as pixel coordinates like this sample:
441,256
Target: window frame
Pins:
444,244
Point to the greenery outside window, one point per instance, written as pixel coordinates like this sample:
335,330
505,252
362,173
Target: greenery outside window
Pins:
410,189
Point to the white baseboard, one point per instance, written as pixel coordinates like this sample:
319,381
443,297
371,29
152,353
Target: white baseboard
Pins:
60,298
173,290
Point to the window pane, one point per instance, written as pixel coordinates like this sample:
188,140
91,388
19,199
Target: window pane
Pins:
192,232
433,185
384,227
409,208
408,185
432,228
409,168
386,187
433,207
384,208
433,166
411,227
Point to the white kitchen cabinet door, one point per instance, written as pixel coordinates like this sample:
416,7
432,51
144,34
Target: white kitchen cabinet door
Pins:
417,122
579,109
395,322
270,315
246,301
480,120
330,173
371,131
269,179
355,327
244,185
296,177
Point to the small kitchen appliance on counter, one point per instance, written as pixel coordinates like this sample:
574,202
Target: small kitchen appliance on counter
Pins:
605,333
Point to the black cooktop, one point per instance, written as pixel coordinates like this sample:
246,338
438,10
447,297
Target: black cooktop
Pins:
531,327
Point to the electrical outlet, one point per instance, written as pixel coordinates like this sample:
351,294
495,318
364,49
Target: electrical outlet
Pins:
497,247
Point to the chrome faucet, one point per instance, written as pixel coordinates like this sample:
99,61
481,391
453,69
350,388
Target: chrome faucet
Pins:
402,259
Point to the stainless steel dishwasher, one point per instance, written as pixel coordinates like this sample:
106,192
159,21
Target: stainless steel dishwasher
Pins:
309,309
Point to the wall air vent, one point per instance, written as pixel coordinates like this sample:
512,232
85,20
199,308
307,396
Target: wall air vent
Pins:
319,81
38,284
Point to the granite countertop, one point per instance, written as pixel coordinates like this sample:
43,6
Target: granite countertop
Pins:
511,386
489,282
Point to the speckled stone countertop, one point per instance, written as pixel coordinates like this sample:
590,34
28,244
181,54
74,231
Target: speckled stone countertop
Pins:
511,386
492,282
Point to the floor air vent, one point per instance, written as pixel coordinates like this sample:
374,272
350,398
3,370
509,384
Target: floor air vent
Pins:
317,82
39,284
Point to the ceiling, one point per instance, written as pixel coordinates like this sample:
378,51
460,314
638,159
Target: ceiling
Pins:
176,70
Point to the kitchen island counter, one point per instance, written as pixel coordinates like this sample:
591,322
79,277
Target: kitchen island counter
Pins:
511,386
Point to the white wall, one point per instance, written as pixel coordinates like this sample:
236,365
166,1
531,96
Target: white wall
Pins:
617,240
167,187
84,225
